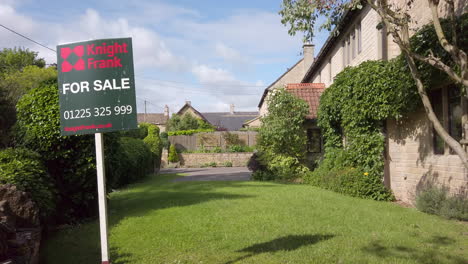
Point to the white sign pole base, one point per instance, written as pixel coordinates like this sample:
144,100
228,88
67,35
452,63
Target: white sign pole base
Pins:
101,176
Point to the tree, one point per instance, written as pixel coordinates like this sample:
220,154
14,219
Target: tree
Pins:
301,15
17,58
186,122
20,72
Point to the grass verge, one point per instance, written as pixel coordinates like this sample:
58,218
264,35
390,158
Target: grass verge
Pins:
158,221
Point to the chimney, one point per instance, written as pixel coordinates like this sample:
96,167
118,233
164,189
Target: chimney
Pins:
166,110
308,51
188,102
231,109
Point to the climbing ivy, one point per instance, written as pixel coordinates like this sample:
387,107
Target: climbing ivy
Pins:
351,115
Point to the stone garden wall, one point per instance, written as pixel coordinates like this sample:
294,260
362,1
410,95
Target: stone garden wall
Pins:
196,160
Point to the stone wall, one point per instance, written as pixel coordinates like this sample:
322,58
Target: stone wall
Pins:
412,164
196,160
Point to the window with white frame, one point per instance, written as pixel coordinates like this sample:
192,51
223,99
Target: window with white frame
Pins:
359,37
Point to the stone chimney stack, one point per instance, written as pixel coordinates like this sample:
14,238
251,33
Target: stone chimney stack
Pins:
166,110
188,102
231,109
308,51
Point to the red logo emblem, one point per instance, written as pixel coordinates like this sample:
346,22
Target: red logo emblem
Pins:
79,65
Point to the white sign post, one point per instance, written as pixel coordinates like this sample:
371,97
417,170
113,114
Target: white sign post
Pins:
97,95
101,176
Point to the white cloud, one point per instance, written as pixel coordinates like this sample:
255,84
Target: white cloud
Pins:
230,55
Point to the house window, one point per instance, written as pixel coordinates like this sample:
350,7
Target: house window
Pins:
450,99
348,51
455,114
314,140
359,37
437,106
353,44
343,47
329,71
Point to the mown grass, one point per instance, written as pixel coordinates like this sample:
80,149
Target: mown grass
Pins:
158,221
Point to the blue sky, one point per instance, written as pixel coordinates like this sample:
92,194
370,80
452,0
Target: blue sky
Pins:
212,53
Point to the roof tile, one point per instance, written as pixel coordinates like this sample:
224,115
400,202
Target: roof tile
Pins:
309,92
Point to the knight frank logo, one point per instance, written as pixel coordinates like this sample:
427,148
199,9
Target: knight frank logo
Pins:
79,64
92,62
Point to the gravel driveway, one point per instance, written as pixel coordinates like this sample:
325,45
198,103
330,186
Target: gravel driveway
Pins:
211,174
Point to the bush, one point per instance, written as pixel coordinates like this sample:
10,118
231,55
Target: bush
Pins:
227,164
240,148
254,163
155,145
173,156
164,139
131,161
350,181
24,169
188,132
435,200
232,139
70,160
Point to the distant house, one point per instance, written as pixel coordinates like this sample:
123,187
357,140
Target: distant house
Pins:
159,119
230,121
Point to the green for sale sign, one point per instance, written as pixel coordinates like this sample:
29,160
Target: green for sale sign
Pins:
96,86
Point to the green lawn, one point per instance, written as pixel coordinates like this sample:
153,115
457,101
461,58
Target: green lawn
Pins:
157,221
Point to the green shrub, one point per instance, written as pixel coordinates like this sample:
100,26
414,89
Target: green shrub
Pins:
287,168
24,169
240,148
232,139
155,144
263,175
173,156
188,132
164,139
437,201
70,160
350,181
141,132
227,164
131,161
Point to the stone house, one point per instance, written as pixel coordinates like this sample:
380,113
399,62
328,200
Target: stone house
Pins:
229,121
293,75
158,119
414,155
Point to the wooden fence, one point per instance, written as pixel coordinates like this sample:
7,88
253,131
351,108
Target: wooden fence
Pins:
210,140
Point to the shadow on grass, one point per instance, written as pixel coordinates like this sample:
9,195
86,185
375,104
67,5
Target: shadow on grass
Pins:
426,253
286,243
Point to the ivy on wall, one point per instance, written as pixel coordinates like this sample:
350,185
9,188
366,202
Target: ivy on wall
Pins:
353,109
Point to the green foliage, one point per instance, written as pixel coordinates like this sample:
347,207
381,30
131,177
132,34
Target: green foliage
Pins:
164,139
282,131
425,42
20,72
16,59
210,164
354,107
69,160
232,139
240,148
189,132
186,122
227,164
24,169
173,156
436,200
155,144
141,132
131,161
282,138
348,180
